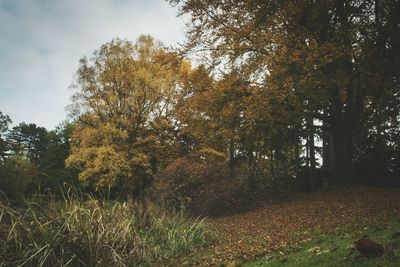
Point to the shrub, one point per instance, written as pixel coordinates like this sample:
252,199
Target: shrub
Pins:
180,182
202,188
17,176
224,194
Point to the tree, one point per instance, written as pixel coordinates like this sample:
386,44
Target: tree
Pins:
125,96
222,120
53,170
28,140
323,60
4,122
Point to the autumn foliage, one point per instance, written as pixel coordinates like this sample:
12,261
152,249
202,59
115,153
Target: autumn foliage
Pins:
288,95
264,100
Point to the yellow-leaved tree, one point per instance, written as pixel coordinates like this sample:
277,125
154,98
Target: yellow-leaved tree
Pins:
125,94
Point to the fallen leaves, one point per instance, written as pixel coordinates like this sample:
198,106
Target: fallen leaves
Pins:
289,223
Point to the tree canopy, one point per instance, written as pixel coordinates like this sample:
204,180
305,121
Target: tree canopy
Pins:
325,60
288,95
125,94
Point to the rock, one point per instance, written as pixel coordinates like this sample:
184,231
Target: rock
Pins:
369,248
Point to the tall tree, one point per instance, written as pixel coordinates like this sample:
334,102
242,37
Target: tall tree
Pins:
125,92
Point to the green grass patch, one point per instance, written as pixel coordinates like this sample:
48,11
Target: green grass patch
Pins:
337,249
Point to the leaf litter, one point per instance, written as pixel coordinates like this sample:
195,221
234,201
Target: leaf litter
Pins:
290,223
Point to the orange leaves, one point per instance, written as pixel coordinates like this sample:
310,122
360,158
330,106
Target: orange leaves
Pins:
289,223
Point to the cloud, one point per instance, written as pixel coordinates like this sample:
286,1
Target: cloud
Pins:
41,42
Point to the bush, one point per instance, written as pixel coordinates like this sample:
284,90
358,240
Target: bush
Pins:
202,188
180,182
215,189
91,233
224,194
18,176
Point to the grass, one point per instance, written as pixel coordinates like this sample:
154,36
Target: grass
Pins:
78,232
89,233
337,249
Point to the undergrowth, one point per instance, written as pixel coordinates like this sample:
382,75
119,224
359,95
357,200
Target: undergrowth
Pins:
75,232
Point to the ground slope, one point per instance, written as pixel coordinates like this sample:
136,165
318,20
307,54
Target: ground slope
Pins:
245,236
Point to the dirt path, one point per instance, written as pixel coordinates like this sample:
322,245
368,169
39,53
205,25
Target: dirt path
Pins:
269,228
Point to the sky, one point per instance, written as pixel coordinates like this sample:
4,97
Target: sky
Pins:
41,42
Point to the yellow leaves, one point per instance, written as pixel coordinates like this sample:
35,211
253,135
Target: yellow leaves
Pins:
105,155
209,153
124,88
185,68
104,134
106,166
102,152
127,80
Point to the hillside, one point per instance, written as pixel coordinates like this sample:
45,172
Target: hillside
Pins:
244,237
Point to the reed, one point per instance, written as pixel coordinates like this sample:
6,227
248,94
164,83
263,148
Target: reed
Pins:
75,232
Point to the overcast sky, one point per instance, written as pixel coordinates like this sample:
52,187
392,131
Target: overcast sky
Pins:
41,42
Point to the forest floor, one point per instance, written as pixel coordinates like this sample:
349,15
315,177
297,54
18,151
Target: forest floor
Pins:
291,225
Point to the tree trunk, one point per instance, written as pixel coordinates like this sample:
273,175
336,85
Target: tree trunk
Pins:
296,143
344,127
311,147
272,169
343,157
327,159
346,105
231,155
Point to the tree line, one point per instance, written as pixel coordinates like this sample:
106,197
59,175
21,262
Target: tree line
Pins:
285,95
32,158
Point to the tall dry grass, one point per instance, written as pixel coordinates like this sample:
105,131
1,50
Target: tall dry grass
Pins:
74,232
